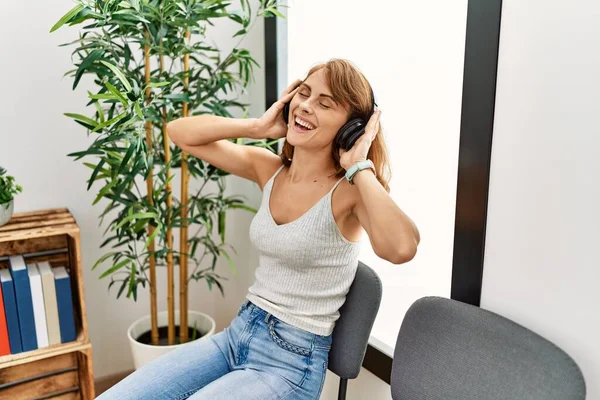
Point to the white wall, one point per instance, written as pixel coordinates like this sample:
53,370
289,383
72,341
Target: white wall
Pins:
541,263
35,138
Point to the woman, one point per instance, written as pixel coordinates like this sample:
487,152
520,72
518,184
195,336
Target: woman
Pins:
307,233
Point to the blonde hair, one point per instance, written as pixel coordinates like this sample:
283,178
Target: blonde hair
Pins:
351,89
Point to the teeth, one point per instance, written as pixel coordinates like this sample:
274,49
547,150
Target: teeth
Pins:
304,124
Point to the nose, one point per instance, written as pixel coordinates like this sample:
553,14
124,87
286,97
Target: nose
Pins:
305,107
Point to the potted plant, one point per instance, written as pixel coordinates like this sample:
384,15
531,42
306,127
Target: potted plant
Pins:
152,63
8,189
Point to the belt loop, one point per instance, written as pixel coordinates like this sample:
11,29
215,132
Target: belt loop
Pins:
267,318
243,307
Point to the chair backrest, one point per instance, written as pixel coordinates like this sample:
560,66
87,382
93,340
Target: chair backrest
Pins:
455,351
353,328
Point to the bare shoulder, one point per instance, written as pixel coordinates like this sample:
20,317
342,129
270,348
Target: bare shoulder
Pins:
266,163
344,201
346,195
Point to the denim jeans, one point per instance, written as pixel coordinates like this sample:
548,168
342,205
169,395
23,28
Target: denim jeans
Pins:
257,357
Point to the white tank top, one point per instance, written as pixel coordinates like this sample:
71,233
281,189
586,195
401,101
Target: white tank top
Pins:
305,266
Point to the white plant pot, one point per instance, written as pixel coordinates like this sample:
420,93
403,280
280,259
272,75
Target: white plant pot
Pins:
144,353
6,213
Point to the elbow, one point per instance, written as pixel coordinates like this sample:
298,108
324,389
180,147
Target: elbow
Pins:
399,255
173,133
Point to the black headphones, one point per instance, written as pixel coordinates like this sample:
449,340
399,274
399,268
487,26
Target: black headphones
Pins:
350,131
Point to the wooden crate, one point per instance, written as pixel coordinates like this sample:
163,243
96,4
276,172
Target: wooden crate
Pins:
53,236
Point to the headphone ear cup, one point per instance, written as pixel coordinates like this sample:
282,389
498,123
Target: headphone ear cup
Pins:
286,113
349,133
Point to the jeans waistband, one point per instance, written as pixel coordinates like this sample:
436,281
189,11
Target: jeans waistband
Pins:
323,341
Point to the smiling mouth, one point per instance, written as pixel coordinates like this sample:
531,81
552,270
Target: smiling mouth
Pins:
303,126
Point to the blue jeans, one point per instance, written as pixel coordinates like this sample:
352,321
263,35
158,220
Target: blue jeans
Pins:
257,357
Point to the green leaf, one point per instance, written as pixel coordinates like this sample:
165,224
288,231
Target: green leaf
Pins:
222,226
116,92
95,173
102,259
158,84
104,191
219,286
103,96
89,152
132,279
110,121
114,268
82,118
143,215
122,288
244,207
126,159
84,14
85,64
138,110
195,331
275,12
136,4
119,74
230,261
67,17
151,237
178,97
99,110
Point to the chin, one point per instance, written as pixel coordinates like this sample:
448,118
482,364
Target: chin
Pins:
298,139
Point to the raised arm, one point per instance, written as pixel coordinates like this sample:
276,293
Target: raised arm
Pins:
206,137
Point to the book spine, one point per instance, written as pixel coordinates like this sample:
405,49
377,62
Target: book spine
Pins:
39,311
4,342
12,317
66,319
51,309
25,310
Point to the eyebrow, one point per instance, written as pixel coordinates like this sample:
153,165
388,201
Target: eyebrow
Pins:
321,95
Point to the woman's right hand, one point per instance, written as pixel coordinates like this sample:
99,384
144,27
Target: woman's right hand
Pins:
272,125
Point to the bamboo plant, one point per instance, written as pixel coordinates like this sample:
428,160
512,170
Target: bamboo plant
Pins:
151,63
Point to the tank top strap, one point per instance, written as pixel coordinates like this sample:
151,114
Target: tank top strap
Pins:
269,183
337,183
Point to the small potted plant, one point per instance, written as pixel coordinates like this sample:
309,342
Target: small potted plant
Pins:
8,188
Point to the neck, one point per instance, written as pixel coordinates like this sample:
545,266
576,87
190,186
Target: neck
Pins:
311,165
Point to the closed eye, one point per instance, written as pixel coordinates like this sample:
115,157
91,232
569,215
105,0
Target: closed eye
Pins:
324,106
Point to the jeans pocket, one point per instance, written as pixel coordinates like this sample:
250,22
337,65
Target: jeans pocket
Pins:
282,341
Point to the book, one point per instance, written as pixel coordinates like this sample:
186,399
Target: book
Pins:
39,309
4,342
10,310
64,301
18,270
50,302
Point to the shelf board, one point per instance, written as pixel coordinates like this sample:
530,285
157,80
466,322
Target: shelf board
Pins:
38,224
11,360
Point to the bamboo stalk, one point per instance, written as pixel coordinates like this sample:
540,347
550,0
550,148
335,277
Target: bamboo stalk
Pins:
183,234
149,186
170,268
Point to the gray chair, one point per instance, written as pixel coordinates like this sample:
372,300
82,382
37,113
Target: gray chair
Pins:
353,328
454,351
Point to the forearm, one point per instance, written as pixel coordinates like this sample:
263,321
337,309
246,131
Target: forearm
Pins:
393,234
204,129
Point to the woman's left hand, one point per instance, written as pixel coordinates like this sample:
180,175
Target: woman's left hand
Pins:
359,151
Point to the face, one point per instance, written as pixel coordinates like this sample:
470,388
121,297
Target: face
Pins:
315,116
